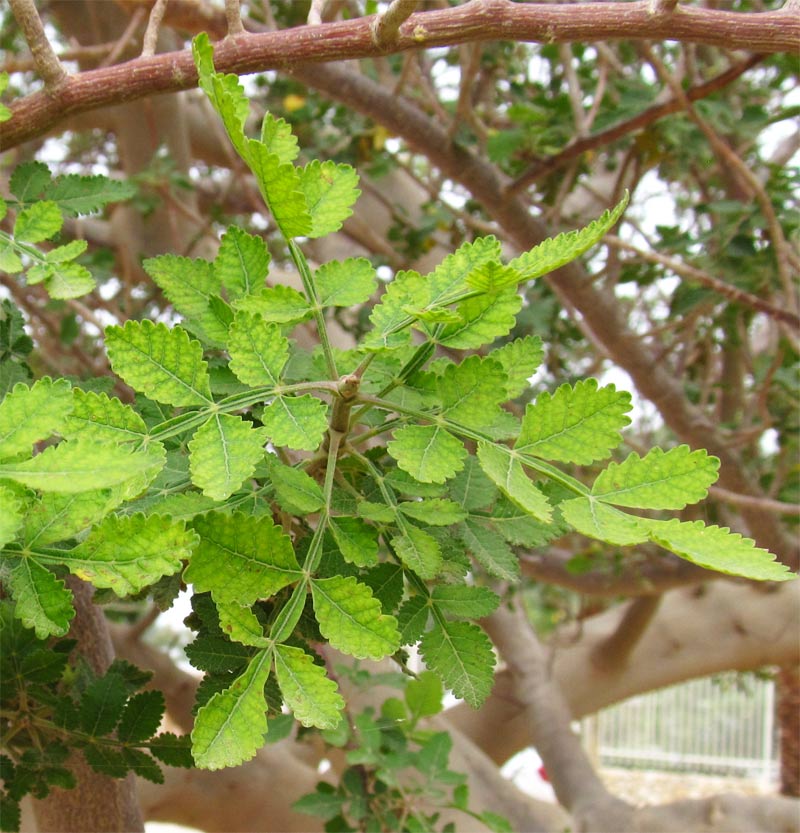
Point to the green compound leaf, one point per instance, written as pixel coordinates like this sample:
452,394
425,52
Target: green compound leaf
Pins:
83,466
660,480
520,529
258,350
55,517
217,654
330,191
164,364
490,550
412,619
28,181
242,262
520,360
419,551
494,277
141,717
483,319
30,414
232,725
282,190
277,137
463,601
142,765
554,253
506,472
345,283
471,488
295,491
102,704
435,512
68,280
407,289
241,558
38,222
298,422
223,453
9,260
350,618
461,654
69,251
172,750
225,93
106,760
717,548
471,391
11,513
43,602
603,522
241,624
189,285
428,453
424,695
77,194
280,304
451,276
102,419
357,541
306,689
575,425
129,552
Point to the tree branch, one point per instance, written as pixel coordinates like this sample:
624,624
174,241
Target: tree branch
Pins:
696,632
480,20
47,63
652,114
386,26
547,719
732,293
615,651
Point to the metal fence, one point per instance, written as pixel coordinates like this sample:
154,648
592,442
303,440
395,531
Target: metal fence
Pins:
722,725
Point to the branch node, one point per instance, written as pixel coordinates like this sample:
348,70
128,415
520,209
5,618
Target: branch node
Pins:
233,16
386,27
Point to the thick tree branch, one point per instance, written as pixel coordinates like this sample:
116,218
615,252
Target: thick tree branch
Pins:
547,719
695,632
616,650
661,572
480,20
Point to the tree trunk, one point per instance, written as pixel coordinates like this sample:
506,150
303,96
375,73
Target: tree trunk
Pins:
788,691
98,804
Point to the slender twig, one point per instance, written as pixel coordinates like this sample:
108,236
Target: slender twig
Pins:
124,39
233,15
315,12
729,159
767,504
153,25
605,137
574,91
732,293
47,63
386,27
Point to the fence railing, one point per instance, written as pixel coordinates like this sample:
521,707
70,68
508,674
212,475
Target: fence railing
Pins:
722,726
